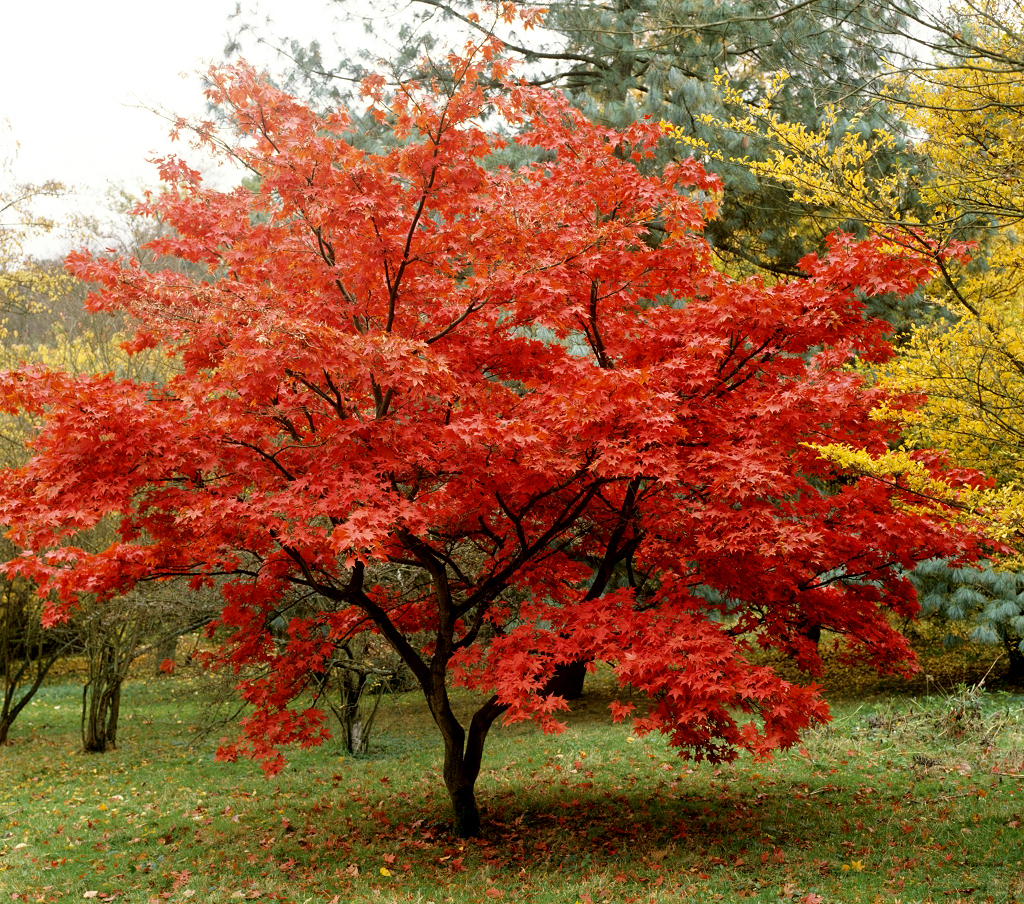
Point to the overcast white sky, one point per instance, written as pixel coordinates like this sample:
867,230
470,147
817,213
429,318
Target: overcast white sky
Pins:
80,80
74,75
76,78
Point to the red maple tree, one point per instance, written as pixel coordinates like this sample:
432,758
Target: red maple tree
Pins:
509,418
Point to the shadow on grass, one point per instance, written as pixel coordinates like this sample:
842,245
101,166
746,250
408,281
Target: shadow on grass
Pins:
731,831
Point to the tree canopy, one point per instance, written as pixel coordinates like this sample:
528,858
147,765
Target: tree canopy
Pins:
477,410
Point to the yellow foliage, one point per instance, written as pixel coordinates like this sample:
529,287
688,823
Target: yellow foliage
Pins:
19,223
48,297
833,168
960,175
970,113
997,512
972,369
972,372
22,281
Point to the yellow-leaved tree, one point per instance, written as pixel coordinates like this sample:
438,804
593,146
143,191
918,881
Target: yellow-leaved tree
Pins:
971,366
954,173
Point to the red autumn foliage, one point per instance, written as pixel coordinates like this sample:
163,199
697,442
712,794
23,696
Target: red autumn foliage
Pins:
507,418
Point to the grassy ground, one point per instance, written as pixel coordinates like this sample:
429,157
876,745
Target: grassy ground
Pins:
912,799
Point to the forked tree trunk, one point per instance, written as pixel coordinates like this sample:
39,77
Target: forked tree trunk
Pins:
27,651
461,785
112,638
11,708
350,675
355,716
460,778
351,684
467,815
100,711
463,754
9,712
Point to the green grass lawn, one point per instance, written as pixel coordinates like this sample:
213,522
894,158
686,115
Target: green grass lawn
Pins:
896,801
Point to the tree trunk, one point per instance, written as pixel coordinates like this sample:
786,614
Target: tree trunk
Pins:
459,775
463,754
101,706
351,677
812,632
467,815
113,713
112,638
12,708
567,680
352,684
27,650
461,768
1015,672
9,711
